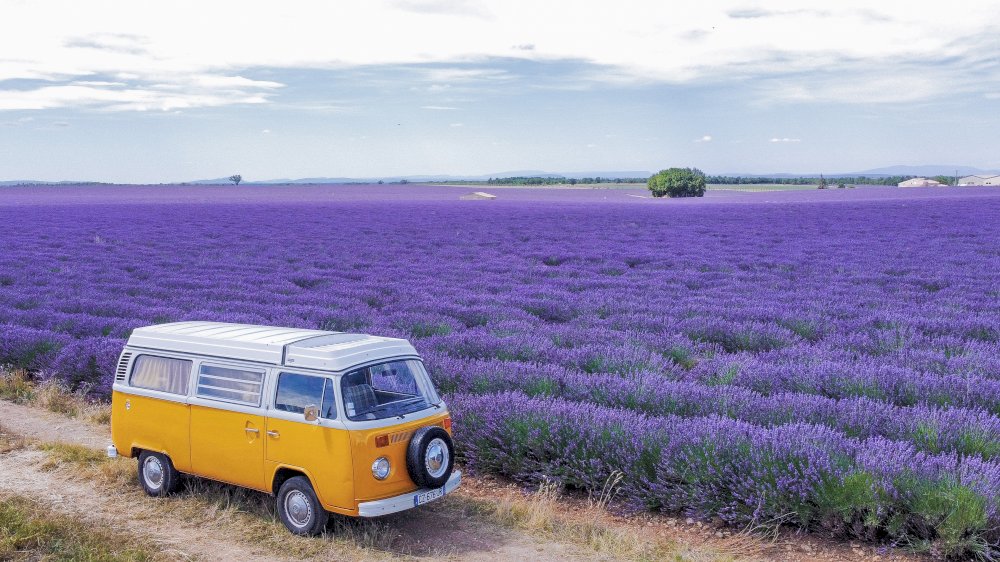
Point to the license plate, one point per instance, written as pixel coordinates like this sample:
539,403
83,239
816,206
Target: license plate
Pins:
430,495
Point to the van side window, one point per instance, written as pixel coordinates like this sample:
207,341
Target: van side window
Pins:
295,392
230,385
164,374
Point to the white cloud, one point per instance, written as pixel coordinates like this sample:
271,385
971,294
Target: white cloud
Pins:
706,138
457,125
870,53
785,139
135,99
266,131
438,107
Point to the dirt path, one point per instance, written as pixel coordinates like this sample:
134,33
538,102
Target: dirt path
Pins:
438,531
20,474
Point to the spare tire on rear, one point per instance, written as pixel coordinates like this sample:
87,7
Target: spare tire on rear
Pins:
430,457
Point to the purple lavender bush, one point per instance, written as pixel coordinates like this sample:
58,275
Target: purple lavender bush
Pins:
829,360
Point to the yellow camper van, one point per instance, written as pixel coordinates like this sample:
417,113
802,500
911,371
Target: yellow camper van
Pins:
324,421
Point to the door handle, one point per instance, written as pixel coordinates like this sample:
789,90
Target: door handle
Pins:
274,434
252,430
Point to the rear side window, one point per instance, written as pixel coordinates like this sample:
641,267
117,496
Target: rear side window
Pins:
230,384
295,392
164,374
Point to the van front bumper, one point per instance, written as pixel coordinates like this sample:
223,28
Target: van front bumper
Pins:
406,501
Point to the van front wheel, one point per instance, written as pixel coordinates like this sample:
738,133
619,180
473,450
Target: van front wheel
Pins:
299,508
157,474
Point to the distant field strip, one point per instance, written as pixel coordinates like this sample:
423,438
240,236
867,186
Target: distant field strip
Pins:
761,187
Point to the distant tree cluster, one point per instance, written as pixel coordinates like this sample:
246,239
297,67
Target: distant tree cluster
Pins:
559,180
810,180
678,182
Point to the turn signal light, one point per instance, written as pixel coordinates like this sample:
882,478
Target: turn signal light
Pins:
381,440
447,424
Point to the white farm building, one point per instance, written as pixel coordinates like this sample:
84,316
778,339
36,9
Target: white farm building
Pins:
979,180
919,182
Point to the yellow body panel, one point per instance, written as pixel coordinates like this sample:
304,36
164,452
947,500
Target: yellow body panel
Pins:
228,446
322,453
140,422
366,487
213,442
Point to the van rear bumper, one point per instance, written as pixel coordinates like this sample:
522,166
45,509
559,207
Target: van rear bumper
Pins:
406,501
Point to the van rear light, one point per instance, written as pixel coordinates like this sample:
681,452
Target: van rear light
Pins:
446,423
381,440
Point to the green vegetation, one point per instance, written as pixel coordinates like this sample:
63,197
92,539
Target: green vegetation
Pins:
678,182
28,531
811,180
557,180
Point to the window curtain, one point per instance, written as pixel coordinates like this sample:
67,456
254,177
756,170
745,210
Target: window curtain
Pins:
161,373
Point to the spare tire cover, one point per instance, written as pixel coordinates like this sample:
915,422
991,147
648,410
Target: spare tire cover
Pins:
430,457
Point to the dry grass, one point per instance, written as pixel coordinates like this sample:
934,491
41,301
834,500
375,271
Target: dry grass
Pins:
243,515
250,517
16,386
29,531
544,513
10,441
60,454
54,396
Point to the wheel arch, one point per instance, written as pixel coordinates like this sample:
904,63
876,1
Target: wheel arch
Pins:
283,473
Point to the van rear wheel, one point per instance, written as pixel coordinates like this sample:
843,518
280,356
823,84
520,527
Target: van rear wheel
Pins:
299,508
157,474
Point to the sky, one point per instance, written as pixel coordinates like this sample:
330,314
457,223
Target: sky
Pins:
147,91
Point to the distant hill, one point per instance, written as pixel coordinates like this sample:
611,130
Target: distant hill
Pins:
925,170
39,182
928,170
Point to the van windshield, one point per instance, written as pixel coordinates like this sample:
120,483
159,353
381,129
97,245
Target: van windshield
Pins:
387,390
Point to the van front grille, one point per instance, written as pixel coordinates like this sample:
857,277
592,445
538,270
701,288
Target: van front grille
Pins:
122,367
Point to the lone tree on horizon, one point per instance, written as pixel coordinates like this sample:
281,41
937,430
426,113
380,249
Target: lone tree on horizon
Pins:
678,182
236,179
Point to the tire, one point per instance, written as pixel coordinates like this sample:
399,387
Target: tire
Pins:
299,508
157,474
430,470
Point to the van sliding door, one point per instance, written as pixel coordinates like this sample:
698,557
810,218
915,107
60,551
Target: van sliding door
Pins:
227,425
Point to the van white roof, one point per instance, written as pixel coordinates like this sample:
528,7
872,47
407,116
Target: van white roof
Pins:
291,347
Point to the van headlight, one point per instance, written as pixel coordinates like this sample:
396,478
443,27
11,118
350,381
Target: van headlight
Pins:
380,468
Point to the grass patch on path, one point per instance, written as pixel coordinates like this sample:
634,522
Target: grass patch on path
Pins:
29,531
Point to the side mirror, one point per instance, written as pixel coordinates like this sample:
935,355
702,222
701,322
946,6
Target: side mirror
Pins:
311,412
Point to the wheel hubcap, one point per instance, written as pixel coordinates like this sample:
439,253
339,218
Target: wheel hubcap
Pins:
436,458
152,471
298,509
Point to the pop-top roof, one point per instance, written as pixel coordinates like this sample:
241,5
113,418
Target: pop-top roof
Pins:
293,347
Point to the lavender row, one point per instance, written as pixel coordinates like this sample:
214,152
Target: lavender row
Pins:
800,474
929,428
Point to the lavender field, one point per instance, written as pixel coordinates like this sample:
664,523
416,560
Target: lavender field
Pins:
829,360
